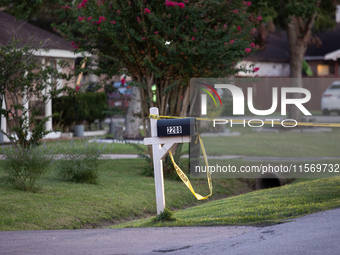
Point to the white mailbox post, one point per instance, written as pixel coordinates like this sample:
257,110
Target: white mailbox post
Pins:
160,147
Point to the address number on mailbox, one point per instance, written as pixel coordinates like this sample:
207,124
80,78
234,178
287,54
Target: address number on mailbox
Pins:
174,130
176,127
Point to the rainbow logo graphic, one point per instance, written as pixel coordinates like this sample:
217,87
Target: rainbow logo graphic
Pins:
209,93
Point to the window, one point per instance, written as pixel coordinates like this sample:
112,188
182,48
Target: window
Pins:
323,70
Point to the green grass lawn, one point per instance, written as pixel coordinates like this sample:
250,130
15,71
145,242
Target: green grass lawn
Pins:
68,146
262,207
281,144
249,143
122,194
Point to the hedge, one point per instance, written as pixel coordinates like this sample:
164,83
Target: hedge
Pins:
87,107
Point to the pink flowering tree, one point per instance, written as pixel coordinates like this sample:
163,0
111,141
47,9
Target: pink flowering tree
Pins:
163,43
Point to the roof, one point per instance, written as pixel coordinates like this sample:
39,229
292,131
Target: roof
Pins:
275,49
334,55
330,42
9,28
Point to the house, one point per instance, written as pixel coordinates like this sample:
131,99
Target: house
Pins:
273,60
58,49
323,58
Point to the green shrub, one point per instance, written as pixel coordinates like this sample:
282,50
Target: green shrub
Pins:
82,107
165,215
95,106
81,165
25,166
65,107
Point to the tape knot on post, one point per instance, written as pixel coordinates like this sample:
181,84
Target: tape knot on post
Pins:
154,116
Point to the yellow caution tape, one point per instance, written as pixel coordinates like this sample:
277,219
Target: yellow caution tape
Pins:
289,123
286,123
155,116
185,179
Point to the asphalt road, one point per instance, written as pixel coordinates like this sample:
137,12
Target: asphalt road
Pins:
317,233
111,241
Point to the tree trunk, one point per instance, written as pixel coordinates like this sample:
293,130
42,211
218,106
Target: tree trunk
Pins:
132,120
164,101
298,33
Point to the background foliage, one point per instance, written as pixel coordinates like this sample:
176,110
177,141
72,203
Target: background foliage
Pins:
81,107
162,43
24,78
